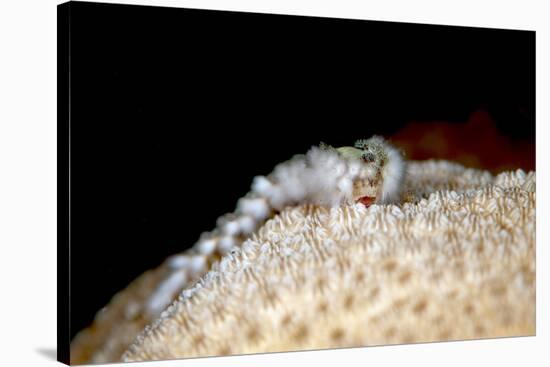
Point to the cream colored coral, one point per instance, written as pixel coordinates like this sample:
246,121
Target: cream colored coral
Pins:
455,260
370,172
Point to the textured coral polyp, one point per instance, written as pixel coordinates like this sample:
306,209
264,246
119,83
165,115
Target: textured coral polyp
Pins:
454,260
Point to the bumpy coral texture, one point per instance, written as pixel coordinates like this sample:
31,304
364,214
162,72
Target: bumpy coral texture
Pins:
454,260
323,176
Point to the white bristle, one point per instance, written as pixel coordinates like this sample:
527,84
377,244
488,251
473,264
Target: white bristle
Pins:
247,224
393,173
178,261
197,264
231,228
206,246
164,293
261,185
255,207
345,185
226,244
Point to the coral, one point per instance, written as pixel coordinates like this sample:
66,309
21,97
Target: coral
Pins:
372,171
454,260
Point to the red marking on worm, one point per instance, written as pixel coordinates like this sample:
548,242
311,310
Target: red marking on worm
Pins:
366,200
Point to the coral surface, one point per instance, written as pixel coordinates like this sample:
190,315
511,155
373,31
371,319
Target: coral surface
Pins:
370,172
454,259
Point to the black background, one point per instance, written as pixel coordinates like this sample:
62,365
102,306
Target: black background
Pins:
174,111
